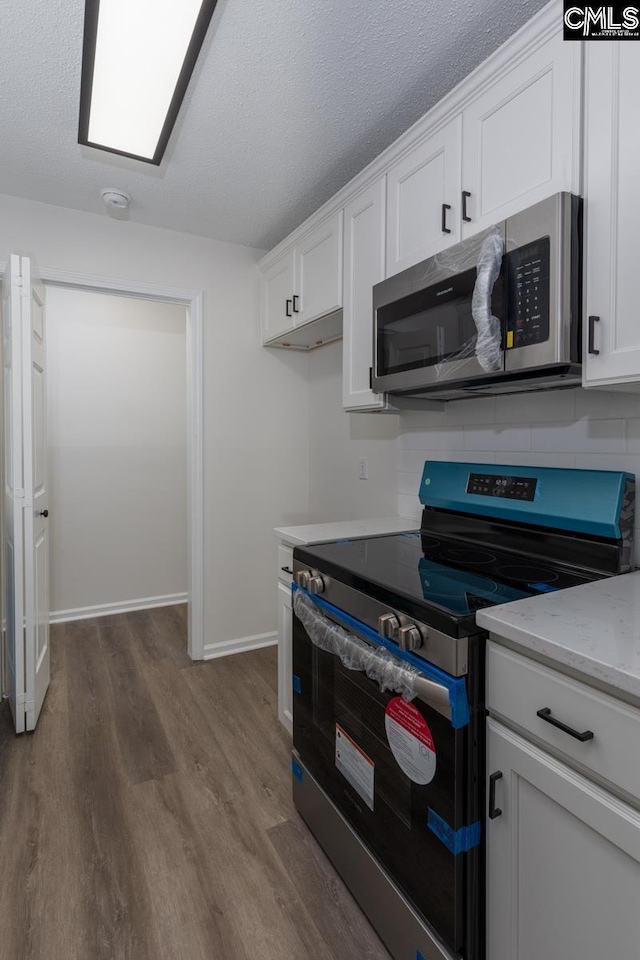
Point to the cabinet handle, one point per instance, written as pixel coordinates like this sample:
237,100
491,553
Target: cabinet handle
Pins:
592,338
465,197
295,303
493,810
545,714
445,207
287,570
288,308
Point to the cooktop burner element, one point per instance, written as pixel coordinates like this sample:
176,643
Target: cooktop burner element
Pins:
528,574
468,556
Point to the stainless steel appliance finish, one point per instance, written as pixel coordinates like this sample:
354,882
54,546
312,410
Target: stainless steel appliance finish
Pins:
548,358
444,651
398,924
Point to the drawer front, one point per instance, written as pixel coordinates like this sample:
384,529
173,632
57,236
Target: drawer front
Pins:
517,688
285,562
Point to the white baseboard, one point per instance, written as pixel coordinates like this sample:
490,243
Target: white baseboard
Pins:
124,606
227,647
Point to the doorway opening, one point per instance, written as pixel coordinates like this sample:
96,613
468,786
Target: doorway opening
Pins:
142,539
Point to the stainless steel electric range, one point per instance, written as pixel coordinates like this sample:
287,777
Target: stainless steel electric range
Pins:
388,679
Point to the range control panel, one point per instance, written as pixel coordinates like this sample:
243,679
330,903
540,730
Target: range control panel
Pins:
512,488
529,297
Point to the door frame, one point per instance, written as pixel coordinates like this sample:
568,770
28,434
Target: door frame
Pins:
193,301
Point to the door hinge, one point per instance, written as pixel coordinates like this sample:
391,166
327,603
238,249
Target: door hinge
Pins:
18,493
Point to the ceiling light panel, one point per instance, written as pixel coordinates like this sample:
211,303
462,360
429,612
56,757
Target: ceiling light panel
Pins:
137,60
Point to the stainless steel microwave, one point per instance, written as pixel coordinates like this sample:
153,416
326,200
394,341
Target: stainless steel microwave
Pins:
497,313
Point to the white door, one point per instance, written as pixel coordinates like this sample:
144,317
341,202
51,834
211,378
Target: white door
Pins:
563,861
612,205
318,271
423,199
13,492
522,136
26,494
364,257
36,494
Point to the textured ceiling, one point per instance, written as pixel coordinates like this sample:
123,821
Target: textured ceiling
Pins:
290,99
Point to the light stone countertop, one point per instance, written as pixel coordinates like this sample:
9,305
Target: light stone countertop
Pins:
345,530
593,629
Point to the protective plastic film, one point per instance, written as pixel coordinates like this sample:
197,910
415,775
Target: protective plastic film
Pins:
488,349
485,252
379,665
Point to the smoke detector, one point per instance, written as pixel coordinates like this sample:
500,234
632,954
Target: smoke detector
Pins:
115,199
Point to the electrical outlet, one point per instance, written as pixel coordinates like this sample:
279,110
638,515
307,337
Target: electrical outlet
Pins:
363,469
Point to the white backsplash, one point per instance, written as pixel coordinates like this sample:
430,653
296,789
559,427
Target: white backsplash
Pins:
563,428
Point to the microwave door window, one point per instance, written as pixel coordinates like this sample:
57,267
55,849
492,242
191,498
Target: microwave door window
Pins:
431,327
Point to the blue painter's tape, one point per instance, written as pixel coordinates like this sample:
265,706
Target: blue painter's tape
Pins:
296,683
456,686
457,841
297,770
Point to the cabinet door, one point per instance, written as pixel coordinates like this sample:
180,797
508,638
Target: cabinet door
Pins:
417,187
612,207
522,136
563,861
364,248
285,662
276,289
318,271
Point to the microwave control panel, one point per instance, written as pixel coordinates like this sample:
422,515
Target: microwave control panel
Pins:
529,294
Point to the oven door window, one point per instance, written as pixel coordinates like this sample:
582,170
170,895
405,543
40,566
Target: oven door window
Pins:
431,326
388,766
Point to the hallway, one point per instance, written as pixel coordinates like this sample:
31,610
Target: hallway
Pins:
149,817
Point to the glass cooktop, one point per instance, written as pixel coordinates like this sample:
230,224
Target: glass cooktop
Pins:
453,577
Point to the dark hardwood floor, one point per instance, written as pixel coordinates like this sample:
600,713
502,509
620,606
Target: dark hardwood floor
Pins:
150,817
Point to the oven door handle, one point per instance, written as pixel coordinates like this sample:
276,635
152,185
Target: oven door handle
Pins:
434,695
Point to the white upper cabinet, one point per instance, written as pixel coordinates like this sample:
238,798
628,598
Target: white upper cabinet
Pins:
423,199
364,256
612,214
318,271
303,284
277,297
521,138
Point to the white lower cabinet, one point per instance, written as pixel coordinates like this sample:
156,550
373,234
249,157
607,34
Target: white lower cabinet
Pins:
285,659
563,860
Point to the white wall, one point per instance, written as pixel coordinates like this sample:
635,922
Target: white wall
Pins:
569,428
338,439
116,371
255,425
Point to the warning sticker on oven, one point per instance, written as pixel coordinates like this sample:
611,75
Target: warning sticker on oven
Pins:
410,740
355,766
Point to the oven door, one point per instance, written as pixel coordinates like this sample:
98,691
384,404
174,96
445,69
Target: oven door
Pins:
443,319
400,772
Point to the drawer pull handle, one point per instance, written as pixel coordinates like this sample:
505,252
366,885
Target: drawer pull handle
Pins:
287,570
545,714
493,810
